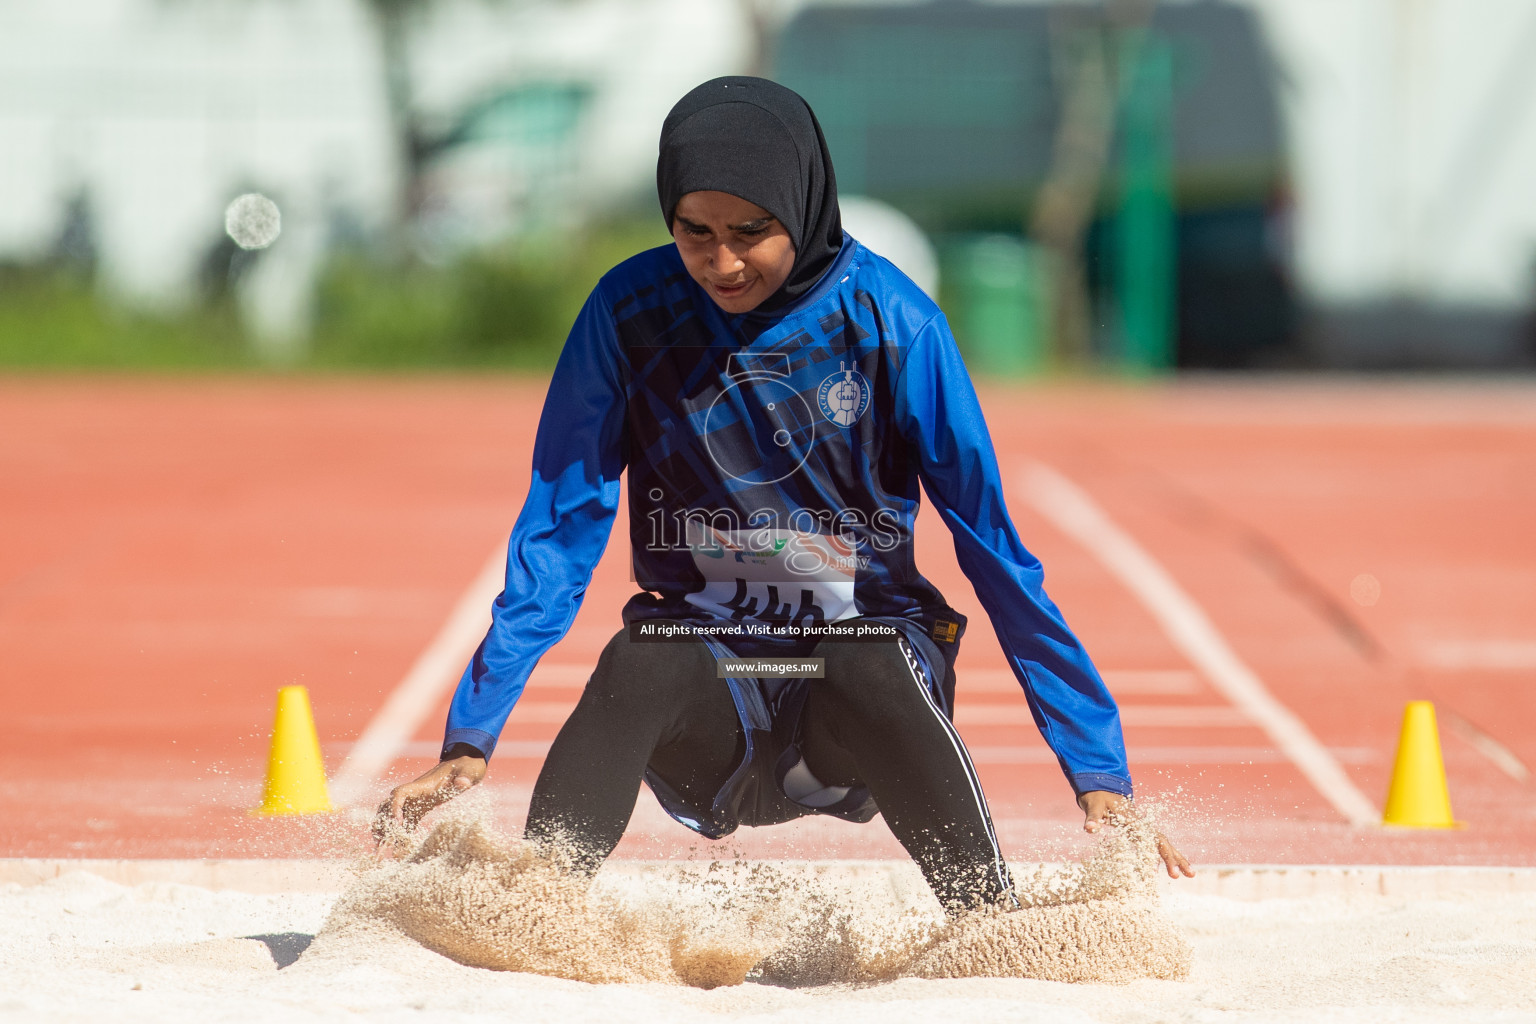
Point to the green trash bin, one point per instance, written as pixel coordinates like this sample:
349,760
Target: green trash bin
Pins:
1000,309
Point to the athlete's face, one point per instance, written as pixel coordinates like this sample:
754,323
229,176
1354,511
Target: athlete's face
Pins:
737,251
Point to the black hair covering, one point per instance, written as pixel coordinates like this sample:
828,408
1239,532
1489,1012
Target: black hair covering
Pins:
758,141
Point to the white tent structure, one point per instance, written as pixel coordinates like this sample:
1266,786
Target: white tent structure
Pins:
1412,127
163,112
1413,134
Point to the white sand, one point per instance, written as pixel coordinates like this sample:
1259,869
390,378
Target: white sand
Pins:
80,947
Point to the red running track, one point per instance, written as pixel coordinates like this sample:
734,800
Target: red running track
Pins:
177,549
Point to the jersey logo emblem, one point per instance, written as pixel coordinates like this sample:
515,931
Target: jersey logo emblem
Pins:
844,396
946,631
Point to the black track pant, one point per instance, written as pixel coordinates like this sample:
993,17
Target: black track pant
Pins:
869,721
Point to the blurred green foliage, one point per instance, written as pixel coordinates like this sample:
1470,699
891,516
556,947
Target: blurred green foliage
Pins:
508,308
54,319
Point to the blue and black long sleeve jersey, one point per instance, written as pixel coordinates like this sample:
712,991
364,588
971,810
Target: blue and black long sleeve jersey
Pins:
774,467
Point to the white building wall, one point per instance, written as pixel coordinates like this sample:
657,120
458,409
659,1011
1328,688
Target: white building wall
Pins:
163,111
1412,122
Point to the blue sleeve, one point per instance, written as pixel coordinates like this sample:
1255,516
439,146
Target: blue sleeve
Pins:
578,456
941,419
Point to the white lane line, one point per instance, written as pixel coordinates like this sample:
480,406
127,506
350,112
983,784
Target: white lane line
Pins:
1176,756
1174,716
1077,515
429,749
1171,716
1154,680
1120,681
560,675
541,711
1162,755
437,668
1509,655
1502,757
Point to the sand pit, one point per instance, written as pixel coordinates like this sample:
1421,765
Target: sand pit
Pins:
856,940
488,900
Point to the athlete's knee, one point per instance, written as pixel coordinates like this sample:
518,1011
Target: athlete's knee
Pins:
871,676
971,885
648,674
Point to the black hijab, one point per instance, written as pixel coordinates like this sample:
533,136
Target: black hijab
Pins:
758,141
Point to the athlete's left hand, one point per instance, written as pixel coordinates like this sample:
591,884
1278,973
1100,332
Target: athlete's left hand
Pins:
403,809
1101,808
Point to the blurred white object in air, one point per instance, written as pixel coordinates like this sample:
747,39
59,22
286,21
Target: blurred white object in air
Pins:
892,234
253,221
1365,589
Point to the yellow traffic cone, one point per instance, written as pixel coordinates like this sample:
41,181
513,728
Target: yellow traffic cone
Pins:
1418,797
295,771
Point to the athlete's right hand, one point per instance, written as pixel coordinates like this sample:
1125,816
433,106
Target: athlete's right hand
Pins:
410,801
